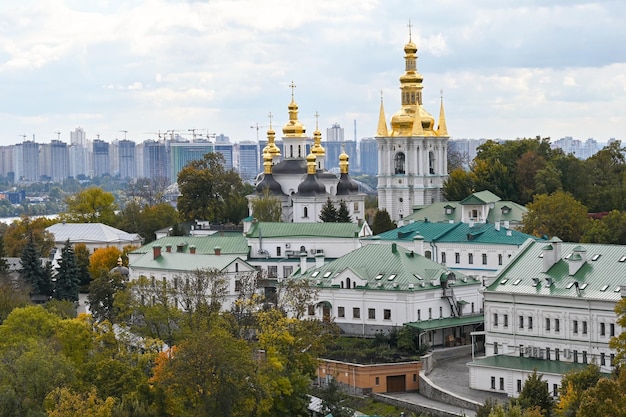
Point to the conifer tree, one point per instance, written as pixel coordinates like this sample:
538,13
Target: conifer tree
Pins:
382,222
67,275
329,212
343,214
32,273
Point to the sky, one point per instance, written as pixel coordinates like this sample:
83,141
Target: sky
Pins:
137,68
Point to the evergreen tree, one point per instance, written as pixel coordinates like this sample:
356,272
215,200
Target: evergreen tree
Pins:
343,214
332,397
32,273
67,275
382,222
329,212
535,394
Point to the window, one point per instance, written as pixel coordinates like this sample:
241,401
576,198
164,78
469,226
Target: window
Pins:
530,322
237,285
440,311
521,351
356,313
305,212
557,325
431,162
341,311
521,322
387,314
575,356
612,359
519,385
278,250
501,384
584,356
602,359
547,324
443,258
506,320
584,327
555,390
612,327
499,259
484,259
575,329
457,258
495,320
399,163
356,207
472,307
548,353
470,258
287,271
419,315
493,382
557,354
428,254
430,313
414,377
311,310
371,313
495,348
602,329
272,271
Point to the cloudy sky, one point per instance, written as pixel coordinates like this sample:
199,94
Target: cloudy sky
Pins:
549,68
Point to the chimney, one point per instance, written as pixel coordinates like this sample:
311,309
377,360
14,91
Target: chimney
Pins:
156,251
192,249
394,248
168,248
218,250
302,262
319,259
551,253
497,226
577,260
418,243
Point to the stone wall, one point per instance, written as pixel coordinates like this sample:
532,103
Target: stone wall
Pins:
434,412
429,390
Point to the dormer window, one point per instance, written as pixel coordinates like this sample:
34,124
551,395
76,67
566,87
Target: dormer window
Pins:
506,210
448,209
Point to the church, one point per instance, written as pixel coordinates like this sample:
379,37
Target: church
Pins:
299,178
412,154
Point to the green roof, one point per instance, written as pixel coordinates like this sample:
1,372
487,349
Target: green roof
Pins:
385,267
528,364
506,211
446,323
479,233
602,272
335,230
481,197
228,242
184,261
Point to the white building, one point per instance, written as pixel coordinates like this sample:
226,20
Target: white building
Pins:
412,154
550,309
93,235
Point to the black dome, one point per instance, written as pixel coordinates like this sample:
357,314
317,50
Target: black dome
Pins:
311,186
270,183
290,166
347,185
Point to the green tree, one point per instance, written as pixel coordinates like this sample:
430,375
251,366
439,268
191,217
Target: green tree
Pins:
610,229
267,207
343,214
573,386
618,343
605,171
209,191
33,273
382,222
606,398
67,275
458,185
147,220
548,180
328,214
102,291
21,231
91,205
557,214
82,262
526,170
332,397
535,394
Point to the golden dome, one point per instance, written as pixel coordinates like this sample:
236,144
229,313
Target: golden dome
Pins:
293,128
310,164
271,147
410,48
343,161
317,149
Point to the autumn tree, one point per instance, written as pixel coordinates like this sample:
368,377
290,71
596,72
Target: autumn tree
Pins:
606,398
67,278
21,231
328,214
103,259
211,192
557,214
382,222
618,343
267,207
573,386
343,214
91,205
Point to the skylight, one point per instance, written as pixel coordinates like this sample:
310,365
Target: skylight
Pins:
568,255
604,288
517,281
391,277
582,287
379,276
617,289
504,281
541,255
570,285
418,277
596,257
623,258
314,274
327,274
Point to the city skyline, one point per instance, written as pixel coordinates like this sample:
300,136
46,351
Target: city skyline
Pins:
133,69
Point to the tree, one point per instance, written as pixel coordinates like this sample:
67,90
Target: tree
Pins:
610,229
267,207
618,343
535,394
557,214
332,397
208,190
382,222
82,262
573,386
20,231
328,214
62,402
527,167
548,180
102,291
33,273
91,205
145,221
343,214
103,260
458,185
606,398
67,275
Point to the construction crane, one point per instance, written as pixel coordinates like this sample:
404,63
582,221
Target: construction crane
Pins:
159,134
23,137
257,127
58,135
125,132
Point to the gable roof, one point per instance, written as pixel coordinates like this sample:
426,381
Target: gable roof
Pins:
386,267
331,230
184,262
91,233
479,233
229,243
481,197
597,279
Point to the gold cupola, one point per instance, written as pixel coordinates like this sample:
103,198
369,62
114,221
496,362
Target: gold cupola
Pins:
343,161
411,112
271,148
317,149
293,128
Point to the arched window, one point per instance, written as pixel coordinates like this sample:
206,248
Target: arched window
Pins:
299,151
431,162
348,283
291,151
302,249
399,163
428,254
306,212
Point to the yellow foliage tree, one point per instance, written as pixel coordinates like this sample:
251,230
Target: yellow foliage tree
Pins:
63,402
103,259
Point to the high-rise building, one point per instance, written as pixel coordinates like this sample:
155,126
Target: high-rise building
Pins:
6,160
368,151
182,152
335,148
100,157
126,159
78,137
155,160
248,160
412,153
54,161
78,160
26,161
334,133
226,149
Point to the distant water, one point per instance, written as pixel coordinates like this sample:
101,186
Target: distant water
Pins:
9,220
